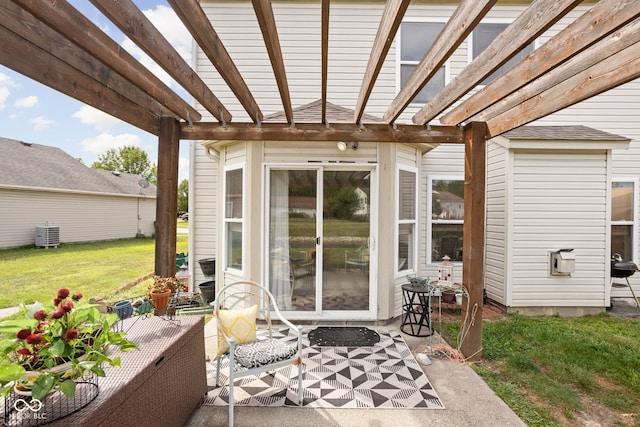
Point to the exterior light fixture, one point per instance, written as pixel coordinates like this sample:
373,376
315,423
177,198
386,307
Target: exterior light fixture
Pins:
342,145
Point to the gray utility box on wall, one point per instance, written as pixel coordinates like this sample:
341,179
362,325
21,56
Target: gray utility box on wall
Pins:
47,236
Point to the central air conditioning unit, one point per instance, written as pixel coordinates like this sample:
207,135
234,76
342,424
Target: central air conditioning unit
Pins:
48,236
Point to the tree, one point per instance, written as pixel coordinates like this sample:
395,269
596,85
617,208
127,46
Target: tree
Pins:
183,196
128,159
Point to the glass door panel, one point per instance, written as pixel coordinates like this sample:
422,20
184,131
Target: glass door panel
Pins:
345,242
292,238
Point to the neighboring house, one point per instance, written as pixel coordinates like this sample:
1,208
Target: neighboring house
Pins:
41,185
550,186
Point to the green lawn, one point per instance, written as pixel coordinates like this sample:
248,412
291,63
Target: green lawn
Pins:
95,269
555,371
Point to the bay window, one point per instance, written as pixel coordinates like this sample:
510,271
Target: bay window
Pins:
446,211
233,217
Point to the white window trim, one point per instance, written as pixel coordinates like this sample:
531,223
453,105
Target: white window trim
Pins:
400,62
636,216
398,222
240,221
431,221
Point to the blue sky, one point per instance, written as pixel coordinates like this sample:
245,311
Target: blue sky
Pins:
32,112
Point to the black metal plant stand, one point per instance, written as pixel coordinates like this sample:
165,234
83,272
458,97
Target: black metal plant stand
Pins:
21,410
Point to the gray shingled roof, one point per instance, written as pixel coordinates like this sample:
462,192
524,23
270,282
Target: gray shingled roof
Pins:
562,133
312,112
34,165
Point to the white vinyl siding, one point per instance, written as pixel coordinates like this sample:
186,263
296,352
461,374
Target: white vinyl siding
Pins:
203,184
496,228
281,152
559,201
82,217
521,263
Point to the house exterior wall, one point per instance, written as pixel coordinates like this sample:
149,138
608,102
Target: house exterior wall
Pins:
82,217
498,219
559,200
349,48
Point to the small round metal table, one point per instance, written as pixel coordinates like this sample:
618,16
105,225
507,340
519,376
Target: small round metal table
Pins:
416,310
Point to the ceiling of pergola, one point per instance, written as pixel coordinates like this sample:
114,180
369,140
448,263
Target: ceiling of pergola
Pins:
53,43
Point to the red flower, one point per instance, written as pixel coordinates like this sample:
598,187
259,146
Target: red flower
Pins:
57,313
23,352
42,325
71,334
67,306
56,301
34,339
63,293
76,297
40,315
23,334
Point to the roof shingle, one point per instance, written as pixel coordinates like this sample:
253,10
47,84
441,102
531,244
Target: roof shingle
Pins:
33,165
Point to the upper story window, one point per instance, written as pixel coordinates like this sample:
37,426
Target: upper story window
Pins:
233,217
483,35
447,217
406,223
415,39
623,218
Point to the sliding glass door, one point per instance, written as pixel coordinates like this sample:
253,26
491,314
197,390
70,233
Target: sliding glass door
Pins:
319,240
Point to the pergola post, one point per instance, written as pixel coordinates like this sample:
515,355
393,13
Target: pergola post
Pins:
167,196
473,237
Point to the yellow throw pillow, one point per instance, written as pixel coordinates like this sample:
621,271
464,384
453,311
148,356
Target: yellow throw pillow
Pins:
239,324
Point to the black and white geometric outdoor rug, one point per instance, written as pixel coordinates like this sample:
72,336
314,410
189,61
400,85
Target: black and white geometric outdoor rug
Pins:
385,375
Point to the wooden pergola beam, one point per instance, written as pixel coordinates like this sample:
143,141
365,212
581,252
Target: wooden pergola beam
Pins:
601,20
473,238
73,25
27,26
614,71
167,197
537,18
135,25
36,63
324,46
200,27
392,15
458,27
320,132
267,22
597,53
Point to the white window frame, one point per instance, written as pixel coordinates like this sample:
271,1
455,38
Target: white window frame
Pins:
470,57
226,221
400,62
633,222
399,222
431,221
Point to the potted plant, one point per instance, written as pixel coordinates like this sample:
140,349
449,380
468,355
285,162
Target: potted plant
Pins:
159,292
55,346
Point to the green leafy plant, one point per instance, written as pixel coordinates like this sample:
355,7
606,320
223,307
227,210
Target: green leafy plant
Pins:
69,333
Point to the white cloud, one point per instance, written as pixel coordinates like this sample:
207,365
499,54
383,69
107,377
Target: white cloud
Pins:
101,121
170,26
183,169
103,142
4,94
40,123
26,102
5,84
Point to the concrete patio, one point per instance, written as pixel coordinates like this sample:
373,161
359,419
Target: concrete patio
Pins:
468,401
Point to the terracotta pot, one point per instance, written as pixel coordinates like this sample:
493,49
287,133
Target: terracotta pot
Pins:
161,300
